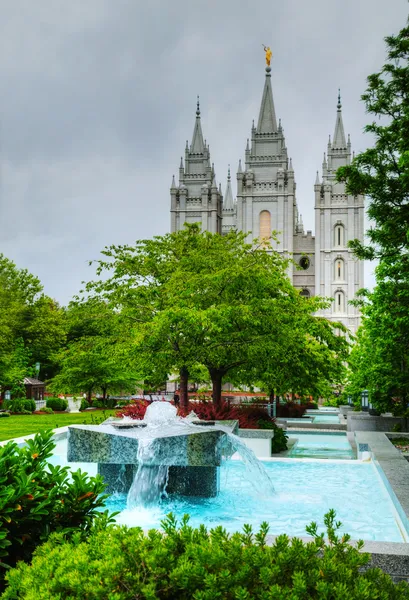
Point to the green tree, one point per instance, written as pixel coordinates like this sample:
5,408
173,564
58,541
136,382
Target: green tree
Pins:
308,359
197,298
31,325
93,359
382,171
380,360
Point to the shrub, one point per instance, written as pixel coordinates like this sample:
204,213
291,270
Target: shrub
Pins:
291,410
24,406
184,563
37,499
57,404
135,410
47,410
311,405
84,404
4,414
279,441
249,417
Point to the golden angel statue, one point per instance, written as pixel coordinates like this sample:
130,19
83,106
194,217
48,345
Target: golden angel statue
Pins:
269,54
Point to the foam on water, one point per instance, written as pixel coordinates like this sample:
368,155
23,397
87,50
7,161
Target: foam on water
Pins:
149,485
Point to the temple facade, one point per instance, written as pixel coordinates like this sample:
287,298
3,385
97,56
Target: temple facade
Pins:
266,201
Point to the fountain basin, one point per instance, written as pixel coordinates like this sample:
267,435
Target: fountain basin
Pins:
191,452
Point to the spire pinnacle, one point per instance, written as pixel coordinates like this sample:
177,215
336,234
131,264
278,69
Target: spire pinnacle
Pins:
181,163
290,167
240,169
267,122
228,197
197,146
317,179
173,186
339,135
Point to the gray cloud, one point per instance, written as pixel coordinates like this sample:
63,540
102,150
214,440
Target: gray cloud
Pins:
98,99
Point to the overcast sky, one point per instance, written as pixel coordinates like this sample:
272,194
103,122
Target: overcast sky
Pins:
98,98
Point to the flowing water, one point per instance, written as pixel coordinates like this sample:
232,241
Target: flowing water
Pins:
150,481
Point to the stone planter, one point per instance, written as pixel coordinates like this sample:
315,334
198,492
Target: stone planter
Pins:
362,421
344,409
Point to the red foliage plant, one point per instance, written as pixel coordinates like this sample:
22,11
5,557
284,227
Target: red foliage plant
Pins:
135,410
247,416
291,410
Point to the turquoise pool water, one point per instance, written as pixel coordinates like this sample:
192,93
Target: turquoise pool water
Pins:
314,417
305,490
321,445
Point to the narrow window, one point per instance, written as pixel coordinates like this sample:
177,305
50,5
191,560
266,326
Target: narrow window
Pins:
265,225
339,269
339,235
339,302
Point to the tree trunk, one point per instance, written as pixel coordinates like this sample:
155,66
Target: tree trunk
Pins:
104,394
217,377
271,396
89,396
184,396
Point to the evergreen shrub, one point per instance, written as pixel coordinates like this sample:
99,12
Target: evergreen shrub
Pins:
24,406
57,404
38,498
84,404
4,414
184,563
279,441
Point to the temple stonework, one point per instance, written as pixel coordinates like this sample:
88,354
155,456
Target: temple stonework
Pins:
266,201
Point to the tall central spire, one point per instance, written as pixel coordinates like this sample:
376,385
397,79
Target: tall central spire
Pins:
228,197
267,122
339,135
197,146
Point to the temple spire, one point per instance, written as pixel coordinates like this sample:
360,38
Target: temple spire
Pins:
267,122
197,146
339,135
228,197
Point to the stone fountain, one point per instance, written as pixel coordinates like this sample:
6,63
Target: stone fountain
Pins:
143,458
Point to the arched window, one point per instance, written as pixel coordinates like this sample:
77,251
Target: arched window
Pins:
339,302
265,224
305,293
339,267
339,235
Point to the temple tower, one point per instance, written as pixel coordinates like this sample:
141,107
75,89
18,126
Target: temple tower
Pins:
339,218
197,197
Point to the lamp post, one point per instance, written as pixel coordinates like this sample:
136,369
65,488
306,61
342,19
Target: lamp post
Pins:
365,400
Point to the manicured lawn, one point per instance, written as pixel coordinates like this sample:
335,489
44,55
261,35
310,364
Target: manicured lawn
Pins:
19,425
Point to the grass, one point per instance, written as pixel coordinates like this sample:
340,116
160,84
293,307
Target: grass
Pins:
20,425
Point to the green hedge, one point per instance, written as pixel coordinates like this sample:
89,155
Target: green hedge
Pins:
185,563
58,404
20,405
37,498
